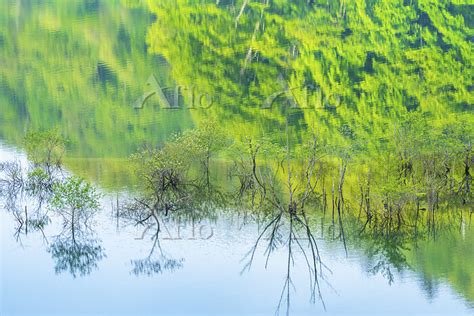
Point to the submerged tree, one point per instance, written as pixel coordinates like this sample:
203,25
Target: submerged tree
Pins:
26,189
75,200
75,249
171,177
286,209
45,150
11,179
204,142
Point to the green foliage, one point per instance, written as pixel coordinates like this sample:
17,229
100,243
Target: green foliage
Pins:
384,61
168,166
38,181
400,71
446,258
74,250
205,140
45,149
74,194
66,78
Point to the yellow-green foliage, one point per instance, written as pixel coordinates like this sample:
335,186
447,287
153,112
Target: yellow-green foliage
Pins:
80,67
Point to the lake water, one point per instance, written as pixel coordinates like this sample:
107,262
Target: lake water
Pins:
211,276
112,76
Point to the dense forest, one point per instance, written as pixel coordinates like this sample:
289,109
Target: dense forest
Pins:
362,111
356,68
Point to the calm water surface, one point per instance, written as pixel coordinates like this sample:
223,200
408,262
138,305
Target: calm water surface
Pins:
82,67
209,275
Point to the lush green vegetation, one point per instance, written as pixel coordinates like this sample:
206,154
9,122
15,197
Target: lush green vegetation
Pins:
377,62
59,71
372,123
31,191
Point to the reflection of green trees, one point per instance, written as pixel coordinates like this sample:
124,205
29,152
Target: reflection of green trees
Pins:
433,263
402,71
77,257
79,67
397,205
444,257
157,261
383,59
75,250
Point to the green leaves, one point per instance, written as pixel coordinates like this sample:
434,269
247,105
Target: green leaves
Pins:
74,194
45,148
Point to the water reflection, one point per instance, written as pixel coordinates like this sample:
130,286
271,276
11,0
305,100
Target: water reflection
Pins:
285,231
387,254
178,191
294,235
77,256
24,198
157,261
31,193
12,181
401,134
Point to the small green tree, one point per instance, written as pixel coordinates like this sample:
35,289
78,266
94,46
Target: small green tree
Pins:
76,200
204,142
74,249
45,149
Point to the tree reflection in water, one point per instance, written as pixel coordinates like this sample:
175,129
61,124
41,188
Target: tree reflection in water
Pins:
280,195
201,203
156,262
24,197
386,255
293,233
76,256
286,223
75,249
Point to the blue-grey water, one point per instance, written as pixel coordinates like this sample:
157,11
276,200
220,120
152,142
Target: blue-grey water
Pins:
79,67
211,278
